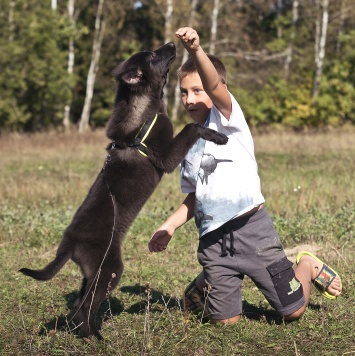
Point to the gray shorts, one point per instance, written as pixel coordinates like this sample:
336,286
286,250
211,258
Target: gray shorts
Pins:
247,246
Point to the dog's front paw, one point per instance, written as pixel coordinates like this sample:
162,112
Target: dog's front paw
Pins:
216,137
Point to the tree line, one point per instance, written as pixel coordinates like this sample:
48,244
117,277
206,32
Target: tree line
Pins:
289,62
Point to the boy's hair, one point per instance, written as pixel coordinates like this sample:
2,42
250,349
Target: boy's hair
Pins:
189,67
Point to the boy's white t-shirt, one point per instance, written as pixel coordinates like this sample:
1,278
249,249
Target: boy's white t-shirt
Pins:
224,178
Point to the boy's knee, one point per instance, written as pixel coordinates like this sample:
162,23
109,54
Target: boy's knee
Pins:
229,321
295,315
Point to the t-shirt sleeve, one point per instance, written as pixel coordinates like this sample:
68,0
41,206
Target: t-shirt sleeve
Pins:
237,119
186,186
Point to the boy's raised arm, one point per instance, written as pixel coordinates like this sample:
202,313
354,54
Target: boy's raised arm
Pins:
214,88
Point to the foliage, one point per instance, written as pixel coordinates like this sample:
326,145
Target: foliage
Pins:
278,103
35,84
336,102
253,39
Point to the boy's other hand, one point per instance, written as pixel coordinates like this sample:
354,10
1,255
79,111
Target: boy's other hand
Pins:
160,239
189,38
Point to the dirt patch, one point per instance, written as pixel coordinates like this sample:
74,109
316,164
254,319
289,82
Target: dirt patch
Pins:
291,253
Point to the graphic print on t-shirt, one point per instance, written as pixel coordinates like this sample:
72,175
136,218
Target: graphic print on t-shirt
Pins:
191,163
208,166
199,214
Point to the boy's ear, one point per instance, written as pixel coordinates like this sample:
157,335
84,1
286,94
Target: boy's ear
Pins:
133,76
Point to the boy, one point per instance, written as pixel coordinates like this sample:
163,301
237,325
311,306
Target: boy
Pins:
237,237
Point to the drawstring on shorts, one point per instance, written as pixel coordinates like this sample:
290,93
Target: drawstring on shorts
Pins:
224,243
233,225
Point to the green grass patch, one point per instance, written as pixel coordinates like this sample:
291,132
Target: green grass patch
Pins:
307,181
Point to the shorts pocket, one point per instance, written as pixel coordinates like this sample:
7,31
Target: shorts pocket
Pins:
287,286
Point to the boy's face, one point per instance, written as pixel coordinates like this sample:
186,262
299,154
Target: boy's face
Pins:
195,100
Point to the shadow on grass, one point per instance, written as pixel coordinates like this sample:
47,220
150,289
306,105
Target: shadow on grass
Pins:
253,312
156,299
108,308
114,307
250,311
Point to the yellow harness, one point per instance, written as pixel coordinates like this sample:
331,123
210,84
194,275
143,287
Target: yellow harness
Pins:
142,136
138,143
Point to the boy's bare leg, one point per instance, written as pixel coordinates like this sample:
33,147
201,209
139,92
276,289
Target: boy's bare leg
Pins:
306,271
229,321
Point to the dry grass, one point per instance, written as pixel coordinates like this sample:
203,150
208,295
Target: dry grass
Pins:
307,170
308,185
50,166
313,143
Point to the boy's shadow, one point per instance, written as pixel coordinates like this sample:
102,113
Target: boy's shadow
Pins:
156,300
253,312
113,307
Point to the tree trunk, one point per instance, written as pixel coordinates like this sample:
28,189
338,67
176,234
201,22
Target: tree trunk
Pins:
71,58
321,33
341,26
11,21
292,38
279,8
94,67
54,5
168,20
214,26
175,110
168,27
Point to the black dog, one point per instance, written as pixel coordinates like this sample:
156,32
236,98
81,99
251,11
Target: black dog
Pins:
142,150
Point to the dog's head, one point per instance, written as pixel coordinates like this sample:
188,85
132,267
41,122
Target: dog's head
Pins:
146,71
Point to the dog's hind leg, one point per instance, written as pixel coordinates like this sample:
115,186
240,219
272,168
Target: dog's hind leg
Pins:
81,293
94,291
86,315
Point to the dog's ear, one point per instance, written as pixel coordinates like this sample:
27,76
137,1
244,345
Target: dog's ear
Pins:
133,76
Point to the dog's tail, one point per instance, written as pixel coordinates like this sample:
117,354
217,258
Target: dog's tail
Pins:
51,269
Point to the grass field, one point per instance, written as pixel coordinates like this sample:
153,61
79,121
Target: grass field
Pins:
308,183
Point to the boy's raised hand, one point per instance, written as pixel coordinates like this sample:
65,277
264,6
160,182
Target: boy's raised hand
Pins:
189,38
